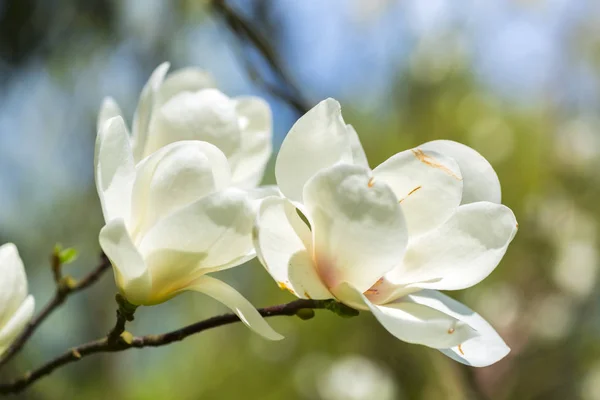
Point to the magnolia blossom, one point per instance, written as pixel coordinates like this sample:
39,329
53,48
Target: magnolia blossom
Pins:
385,239
185,106
16,306
171,219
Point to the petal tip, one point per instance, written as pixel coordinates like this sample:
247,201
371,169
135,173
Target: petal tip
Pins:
9,248
331,105
273,336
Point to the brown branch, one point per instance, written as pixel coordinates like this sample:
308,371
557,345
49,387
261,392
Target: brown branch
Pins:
125,313
246,33
65,287
125,341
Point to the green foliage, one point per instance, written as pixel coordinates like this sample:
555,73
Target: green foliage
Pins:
65,256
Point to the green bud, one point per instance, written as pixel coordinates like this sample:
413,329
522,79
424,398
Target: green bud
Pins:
305,313
67,256
67,282
127,337
64,256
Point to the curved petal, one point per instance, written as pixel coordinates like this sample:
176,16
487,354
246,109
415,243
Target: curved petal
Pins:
207,115
13,282
108,110
257,195
418,324
175,176
358,153
460,253
415,323
15,325
318,140
145,108
428,185
485,349
114,169
204,236
480,180
232,299
248,164
385,291
359,232
189,79
282,242
132,276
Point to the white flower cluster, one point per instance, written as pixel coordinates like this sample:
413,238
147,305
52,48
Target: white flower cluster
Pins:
180,199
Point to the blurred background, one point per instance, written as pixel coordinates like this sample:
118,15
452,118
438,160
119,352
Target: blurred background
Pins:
518,80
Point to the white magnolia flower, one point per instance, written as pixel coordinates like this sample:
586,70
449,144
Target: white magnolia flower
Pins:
16,306
383,240
171,219
185,106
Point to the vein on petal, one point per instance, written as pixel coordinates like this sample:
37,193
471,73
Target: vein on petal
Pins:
430,161
409,193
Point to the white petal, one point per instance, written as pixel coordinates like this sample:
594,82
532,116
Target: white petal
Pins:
175,176
385,291
131,274
114,169
206,115
145,109
231,298
428,185
358,153
484,349
480,180
206,235
248,164
257,195
359,232
13,282
416,323
318,140
184,80
15,325
460,253
108,110
282,242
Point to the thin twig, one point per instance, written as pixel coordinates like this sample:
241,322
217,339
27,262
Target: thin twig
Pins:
66,287
105,345
246,33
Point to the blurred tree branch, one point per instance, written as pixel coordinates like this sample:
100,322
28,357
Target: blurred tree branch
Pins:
120,340
246,34
65,286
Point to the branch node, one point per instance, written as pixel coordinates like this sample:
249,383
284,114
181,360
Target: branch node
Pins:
66,284
340,309
126,337
76,353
